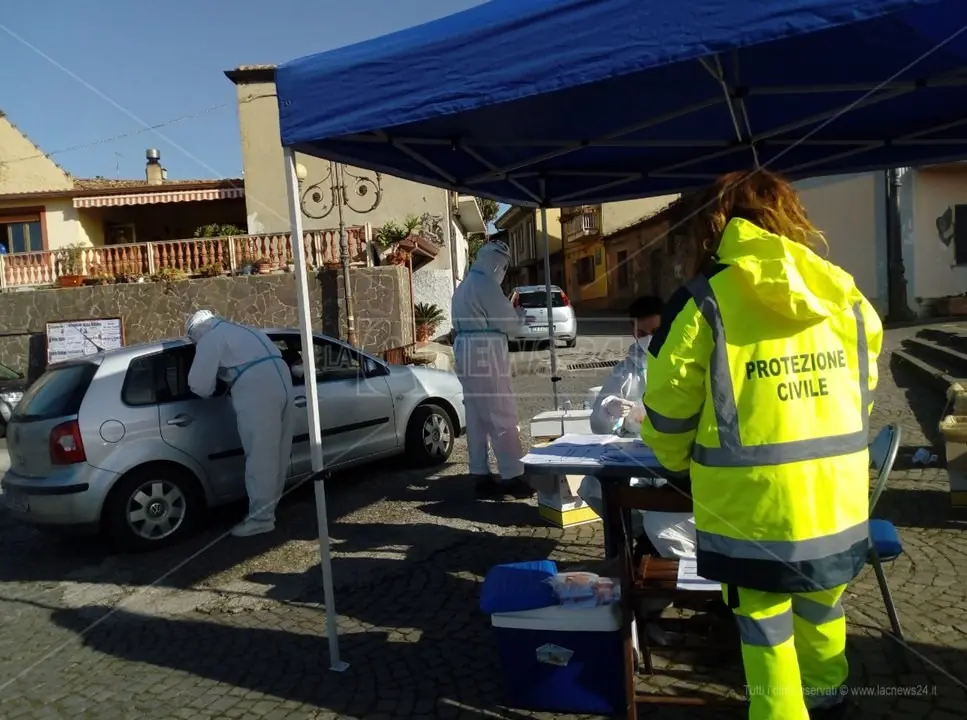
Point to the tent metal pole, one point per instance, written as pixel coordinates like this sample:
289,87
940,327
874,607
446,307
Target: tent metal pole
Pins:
550,308
312,403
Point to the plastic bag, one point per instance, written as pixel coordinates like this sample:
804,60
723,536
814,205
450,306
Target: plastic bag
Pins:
585,590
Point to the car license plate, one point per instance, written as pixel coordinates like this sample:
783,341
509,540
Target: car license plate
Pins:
539,328
17,501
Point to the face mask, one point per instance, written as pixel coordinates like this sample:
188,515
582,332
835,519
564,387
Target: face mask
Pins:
643,343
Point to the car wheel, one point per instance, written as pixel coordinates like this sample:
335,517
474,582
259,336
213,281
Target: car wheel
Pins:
429,435
3,429
571,343
152,508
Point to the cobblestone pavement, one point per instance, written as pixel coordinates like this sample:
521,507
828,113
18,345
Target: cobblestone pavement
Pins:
226,628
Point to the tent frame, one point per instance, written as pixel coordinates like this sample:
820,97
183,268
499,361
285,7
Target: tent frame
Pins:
733,96
312,404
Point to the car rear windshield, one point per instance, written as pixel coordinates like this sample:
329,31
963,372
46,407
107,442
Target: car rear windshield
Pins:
57,393
535,300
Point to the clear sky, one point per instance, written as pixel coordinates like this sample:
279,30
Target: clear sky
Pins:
78,73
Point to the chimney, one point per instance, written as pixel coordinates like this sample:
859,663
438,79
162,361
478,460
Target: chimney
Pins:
153,172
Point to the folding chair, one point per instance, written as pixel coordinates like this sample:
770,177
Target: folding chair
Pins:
885,543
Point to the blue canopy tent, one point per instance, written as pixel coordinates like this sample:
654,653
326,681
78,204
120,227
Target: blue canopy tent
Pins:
551,103
570,102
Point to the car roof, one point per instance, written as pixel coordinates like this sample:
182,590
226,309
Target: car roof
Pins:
126,354
536,288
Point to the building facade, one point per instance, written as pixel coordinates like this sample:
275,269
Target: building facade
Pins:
371,198
586,274
43,208
851,211
525,238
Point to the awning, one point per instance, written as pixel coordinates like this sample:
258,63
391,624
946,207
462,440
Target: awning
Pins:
158,198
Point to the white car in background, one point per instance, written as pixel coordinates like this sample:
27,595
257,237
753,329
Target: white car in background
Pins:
530,301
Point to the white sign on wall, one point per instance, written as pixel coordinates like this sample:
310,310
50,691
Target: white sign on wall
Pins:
69,339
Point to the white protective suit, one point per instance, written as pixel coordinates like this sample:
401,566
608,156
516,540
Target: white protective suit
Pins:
619,409
261,391
483,318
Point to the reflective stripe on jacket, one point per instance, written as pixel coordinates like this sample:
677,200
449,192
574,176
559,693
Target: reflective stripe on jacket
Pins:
760,388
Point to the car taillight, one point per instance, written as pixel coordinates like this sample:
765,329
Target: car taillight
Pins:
66,446
564,300
516,301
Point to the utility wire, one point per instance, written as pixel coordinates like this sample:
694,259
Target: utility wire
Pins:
133,133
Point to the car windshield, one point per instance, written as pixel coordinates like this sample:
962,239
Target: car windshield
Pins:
8,373
57,393
536,300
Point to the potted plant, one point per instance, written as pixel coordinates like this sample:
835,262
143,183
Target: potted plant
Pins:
210,270
392,233
214,230
70,266
398,256
169,275
428,318
245,260
264,265
97,274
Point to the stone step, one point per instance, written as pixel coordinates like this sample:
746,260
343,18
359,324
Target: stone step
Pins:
932,376
938,354
952,336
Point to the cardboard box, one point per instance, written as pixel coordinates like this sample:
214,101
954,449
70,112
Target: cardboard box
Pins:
562,506
557,498
954,430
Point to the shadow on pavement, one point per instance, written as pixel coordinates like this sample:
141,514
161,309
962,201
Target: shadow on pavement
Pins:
920,508
416,641
926,404
439,660
91,560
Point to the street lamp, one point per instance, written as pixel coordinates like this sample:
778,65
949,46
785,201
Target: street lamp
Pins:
317,201
898,309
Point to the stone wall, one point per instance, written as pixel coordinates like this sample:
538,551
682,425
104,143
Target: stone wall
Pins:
383,300
156,310
435,287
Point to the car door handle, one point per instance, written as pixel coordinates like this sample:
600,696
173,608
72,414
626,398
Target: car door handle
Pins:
300,402
181,420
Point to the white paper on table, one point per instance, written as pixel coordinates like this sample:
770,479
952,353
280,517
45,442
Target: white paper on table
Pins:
630,453
689,579
570,450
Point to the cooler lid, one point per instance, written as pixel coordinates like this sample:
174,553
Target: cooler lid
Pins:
603,618
518,586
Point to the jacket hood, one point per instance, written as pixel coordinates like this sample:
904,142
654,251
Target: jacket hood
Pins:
492,260
200,323
785,276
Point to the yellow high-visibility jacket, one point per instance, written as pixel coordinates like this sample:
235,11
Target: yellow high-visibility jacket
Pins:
759,389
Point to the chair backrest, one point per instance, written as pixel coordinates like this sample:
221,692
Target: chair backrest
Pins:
883,452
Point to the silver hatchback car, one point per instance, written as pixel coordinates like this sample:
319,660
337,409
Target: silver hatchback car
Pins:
117,442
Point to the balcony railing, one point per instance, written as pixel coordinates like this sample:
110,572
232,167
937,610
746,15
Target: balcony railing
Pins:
581,225
191,257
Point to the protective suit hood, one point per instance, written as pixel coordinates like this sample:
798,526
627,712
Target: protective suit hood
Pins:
493,259
785,276
199,324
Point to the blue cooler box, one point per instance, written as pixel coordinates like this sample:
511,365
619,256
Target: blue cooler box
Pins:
554,659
